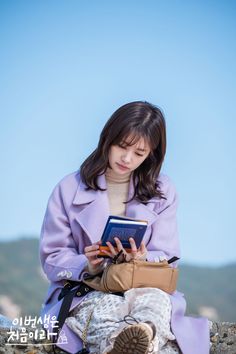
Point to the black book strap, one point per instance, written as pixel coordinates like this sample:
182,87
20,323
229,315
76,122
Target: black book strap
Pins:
65,308
173,259
79,290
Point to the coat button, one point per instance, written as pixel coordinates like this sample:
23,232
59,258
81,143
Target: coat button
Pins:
68,274
78,293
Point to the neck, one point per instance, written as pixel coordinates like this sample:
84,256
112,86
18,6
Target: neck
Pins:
114,177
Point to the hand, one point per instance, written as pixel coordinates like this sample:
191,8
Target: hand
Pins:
135,253
95,264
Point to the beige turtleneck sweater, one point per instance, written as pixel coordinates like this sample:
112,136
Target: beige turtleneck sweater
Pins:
117,190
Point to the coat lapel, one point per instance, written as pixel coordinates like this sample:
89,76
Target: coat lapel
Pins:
93,216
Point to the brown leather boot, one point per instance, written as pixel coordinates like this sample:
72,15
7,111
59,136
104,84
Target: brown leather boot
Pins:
134,339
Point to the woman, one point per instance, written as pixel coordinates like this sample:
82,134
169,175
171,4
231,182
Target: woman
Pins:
121,177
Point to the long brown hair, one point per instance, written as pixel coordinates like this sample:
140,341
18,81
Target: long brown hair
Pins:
139,119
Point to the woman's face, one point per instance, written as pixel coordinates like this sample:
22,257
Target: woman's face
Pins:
124,159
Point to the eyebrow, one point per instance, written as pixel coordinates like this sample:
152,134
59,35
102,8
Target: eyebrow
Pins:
128,144
141,149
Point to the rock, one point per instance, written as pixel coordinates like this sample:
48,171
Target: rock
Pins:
223,339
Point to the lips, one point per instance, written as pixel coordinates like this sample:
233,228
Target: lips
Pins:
122,167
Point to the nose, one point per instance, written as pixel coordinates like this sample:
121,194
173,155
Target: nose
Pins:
126,157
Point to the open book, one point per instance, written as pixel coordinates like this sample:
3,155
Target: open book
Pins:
122,228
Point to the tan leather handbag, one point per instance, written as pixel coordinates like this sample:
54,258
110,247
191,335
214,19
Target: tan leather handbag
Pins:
135,274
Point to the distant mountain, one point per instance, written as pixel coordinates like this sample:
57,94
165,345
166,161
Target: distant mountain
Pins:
208,291
21,279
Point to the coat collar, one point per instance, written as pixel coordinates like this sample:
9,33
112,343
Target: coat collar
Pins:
92,218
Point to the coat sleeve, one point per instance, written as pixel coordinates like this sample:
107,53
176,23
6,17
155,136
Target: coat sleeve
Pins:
58,251
164,242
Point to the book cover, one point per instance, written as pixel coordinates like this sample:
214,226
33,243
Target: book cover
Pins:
123,228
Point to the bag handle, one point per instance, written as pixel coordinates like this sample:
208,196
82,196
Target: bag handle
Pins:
67,293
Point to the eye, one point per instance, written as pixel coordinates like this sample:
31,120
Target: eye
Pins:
139,154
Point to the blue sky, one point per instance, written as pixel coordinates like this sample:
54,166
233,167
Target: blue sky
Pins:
65,66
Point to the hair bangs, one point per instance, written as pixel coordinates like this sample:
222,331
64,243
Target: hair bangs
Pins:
129,137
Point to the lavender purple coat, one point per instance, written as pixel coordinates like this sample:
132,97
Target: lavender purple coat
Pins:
76,218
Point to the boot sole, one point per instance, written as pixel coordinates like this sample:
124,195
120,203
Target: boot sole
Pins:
133,339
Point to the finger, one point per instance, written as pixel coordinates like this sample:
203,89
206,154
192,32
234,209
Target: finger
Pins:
133,247
143,249
128,257
120,247
118,244
91,248
107,253
111,248
91,254
96,261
